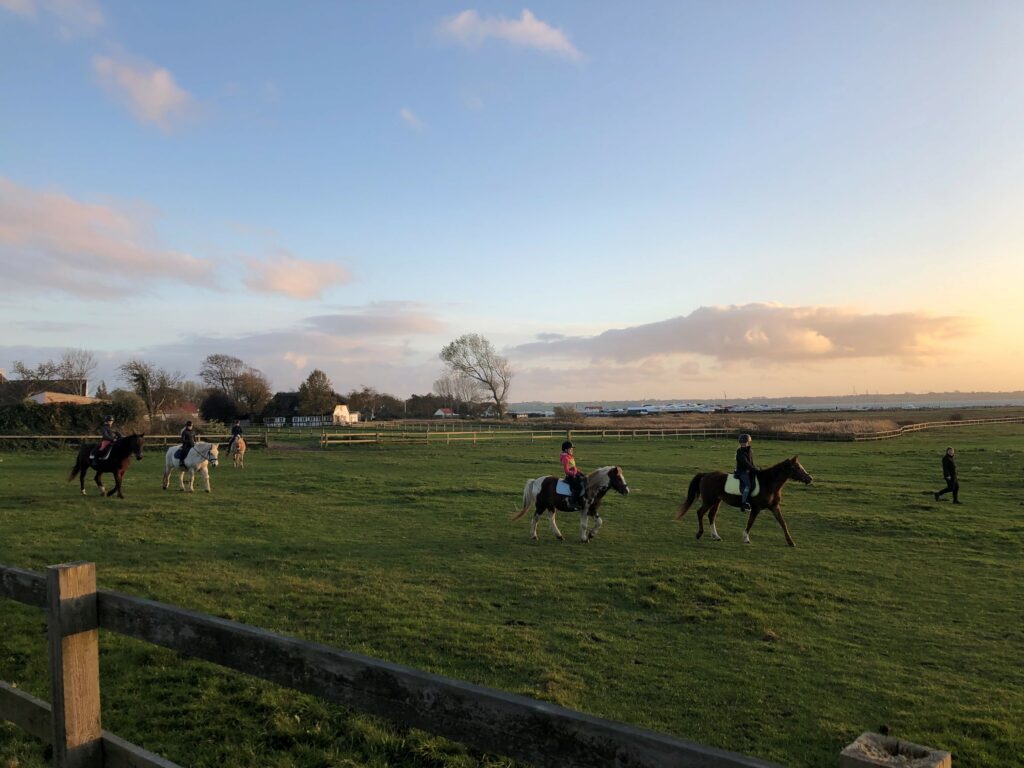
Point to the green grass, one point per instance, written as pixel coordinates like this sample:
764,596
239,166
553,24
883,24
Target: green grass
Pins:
892,610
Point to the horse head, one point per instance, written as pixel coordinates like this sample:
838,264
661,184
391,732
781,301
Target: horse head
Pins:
795,471
137,442
617,481
214,450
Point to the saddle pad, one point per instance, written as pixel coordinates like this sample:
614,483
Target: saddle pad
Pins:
563,488
177,454
732,485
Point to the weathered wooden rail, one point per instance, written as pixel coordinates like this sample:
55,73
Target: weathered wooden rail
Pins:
62,441
394,437
483,718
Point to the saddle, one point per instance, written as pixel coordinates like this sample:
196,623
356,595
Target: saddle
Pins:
732,485
562,488
95,459
180,454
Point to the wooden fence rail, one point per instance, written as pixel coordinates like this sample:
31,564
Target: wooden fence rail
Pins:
483,718
356,437
61,441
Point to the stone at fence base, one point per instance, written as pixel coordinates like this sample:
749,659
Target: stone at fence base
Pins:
871,750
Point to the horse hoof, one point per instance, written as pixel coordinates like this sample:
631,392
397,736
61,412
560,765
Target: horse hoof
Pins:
84,493
560,538
533,538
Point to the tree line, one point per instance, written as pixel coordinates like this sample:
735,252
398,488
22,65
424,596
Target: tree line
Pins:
475,381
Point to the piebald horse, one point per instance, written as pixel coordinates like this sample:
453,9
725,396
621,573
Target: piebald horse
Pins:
541,494
710,486
118,458
199,459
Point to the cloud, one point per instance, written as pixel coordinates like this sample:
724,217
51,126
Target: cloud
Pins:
381,319
73,18
769,333
471,30
150,92
291,276
410,119
49,241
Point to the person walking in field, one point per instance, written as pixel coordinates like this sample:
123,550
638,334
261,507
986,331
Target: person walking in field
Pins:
745,471
949,473
576,479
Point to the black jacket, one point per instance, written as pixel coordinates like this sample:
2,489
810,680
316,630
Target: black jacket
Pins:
109,433
236,430
188,438
745,460
949,467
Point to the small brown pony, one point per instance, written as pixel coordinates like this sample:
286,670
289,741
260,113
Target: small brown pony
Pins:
710,486
238,452
541,494
118,458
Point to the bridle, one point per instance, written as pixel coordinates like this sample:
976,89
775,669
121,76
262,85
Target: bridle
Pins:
209,454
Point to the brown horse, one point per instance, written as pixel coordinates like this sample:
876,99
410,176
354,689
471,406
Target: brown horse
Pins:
541,494
710,486
117,461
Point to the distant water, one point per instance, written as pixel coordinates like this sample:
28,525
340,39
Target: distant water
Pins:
910,403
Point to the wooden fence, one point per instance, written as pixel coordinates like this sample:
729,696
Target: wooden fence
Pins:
355,437
162,441
483,718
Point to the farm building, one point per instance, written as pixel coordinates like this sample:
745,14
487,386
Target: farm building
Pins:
342,415
50,398
445,413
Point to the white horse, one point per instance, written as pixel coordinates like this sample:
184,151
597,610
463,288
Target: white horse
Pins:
199,459
542,494
238,452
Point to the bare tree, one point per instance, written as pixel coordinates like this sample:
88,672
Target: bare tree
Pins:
458,390
74,365
252,392
221,372
157,387
474,356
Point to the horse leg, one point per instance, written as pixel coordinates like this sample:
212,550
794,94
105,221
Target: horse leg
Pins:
181,480
81,478
598,522
584,522
554,527
750,523
712,514
533,524
206,478
777,511
103,491
167,477
119,476
700,518
192,480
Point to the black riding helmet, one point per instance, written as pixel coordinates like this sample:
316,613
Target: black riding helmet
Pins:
108,420
188,423
567,445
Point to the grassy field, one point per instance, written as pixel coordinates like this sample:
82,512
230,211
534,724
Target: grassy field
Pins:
893,610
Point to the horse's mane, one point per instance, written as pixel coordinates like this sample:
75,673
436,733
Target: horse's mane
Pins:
598,473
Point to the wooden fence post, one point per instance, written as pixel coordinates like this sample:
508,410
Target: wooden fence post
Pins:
73,633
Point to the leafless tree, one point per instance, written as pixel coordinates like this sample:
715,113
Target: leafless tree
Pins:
74,365
474,356
221,371
157,387
458,390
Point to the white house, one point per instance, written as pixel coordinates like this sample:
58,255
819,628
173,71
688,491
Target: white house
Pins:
342,415
444,413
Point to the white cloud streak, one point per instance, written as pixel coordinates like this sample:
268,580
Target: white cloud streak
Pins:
410,119
149,92
471,29
50,241
73,18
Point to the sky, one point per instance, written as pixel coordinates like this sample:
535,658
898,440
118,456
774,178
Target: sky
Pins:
658,200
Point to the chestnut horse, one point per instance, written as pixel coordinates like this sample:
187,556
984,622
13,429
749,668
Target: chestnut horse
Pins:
711,488
542,494
118,458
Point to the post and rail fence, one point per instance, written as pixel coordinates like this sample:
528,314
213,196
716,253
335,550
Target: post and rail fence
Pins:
253,439
486,719
396,437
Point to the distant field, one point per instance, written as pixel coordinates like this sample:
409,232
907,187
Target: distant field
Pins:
893,609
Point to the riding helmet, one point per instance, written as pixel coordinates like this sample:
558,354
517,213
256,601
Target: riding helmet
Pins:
188,423
108,420
567,445
744,439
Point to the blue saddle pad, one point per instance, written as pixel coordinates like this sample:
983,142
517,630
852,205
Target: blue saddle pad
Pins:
177,454
563,488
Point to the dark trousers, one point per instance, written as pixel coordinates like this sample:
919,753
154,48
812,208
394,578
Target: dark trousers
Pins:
746,485
578,483
952,485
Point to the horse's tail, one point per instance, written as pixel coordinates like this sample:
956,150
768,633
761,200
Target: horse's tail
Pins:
77,468
691,495
529,497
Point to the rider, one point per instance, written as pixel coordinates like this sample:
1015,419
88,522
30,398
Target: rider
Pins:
746,471
576,479
188,440
108,436
236,431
